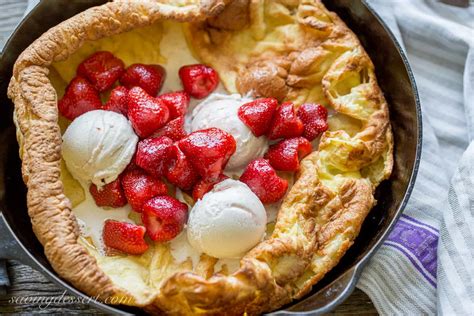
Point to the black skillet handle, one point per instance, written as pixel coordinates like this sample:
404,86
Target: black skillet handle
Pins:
327,298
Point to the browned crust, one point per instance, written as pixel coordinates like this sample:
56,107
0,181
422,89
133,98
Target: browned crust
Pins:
36,116
315,226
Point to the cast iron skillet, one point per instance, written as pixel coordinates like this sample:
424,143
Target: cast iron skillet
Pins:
17,240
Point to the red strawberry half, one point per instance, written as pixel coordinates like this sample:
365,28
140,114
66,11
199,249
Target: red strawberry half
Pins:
153,155
286,123
147,114
258,115
132,165
264,182
80,97
198,80
174,129
125,237
139,187
177,103
286,154
118,101
148,77
180,171
110,195
315,119
102,69
208,151
164,218
202,187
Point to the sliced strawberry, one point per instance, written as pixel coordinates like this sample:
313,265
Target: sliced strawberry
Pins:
102,69
110,195
202,187
147,114
80,97
177,103
263,180
164,218
180,171
139,187
118,101
132,165
208,151
285,123
198,80
174,129
148,77
258,115
125,237
153,155
286,154
315,119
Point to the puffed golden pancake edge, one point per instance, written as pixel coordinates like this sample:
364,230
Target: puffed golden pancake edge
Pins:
321,215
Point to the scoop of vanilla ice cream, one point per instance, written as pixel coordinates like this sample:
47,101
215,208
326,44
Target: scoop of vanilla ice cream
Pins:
228,221
221,111
98,146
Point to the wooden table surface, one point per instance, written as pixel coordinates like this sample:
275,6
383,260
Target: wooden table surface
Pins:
28,283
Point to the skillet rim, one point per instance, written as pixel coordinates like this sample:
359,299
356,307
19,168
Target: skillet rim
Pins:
357,267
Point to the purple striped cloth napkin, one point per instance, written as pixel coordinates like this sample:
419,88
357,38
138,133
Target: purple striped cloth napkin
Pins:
426,266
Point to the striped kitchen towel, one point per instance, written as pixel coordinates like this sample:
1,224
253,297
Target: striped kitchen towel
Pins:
426,266
10,14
